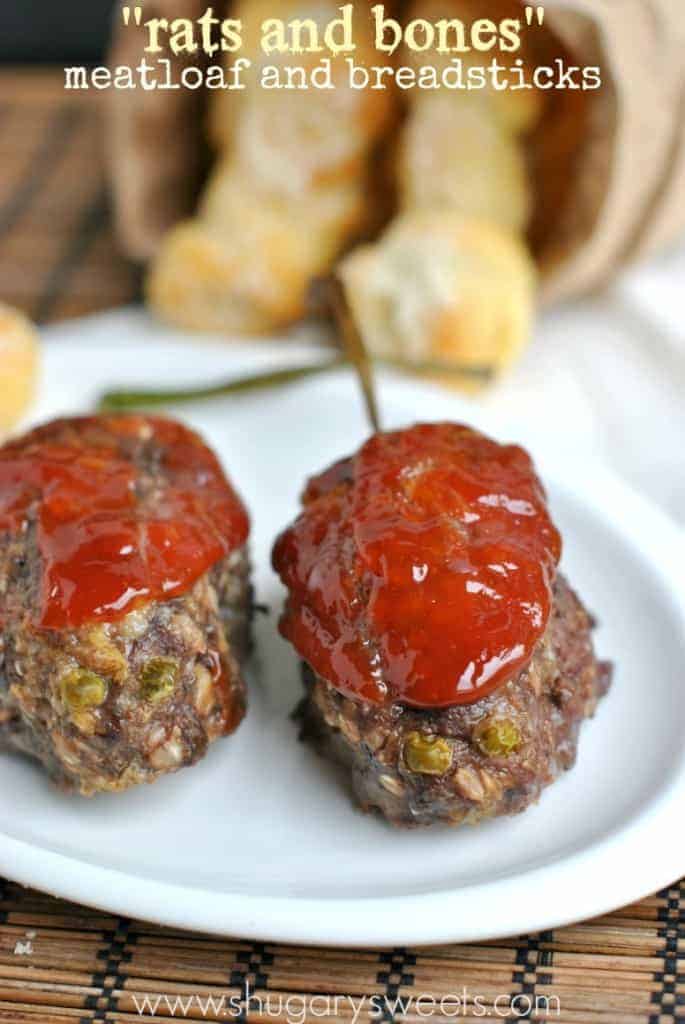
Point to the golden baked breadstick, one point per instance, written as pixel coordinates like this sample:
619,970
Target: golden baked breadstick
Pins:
252,278
288,194
452,280
18,365
463,148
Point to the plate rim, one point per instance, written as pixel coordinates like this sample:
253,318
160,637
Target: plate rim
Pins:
544,897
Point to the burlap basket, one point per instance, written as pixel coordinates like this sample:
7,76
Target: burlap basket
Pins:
623,175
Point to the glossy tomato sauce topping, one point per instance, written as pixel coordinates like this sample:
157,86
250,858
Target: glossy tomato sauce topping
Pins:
127,510
420,570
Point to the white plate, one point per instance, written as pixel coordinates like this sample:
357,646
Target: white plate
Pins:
261,839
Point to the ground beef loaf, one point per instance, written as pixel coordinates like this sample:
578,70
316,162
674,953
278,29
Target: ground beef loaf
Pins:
110,704
465,763
448,665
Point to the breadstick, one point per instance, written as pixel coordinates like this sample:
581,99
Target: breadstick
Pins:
452,280
289,192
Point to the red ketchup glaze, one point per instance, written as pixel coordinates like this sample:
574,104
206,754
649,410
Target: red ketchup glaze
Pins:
107,541
420,570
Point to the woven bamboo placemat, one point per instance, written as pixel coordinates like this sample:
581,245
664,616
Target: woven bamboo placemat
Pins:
62,964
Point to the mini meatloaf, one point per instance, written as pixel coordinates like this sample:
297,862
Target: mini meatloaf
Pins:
447,663
125,600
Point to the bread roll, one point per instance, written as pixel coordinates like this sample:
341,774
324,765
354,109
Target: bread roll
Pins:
19,358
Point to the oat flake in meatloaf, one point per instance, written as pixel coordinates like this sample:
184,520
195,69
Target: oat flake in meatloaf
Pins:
125,600
446,662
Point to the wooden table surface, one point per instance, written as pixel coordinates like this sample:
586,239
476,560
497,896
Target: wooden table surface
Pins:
57,255
61,964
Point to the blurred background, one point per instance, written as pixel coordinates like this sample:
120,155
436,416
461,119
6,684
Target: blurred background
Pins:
44,31
82,221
